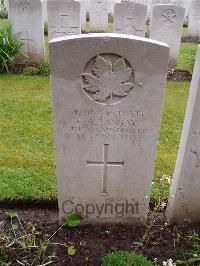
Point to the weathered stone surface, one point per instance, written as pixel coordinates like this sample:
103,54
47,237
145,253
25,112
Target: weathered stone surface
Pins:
166,24
107,104
44,11
184,196
63,18
84,10
27,23
98,10
130,18
194,19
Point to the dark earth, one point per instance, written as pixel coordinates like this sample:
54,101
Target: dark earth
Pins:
94,241
188,39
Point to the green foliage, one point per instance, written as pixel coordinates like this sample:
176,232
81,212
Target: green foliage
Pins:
3,11
192,257
185,24
71,251
42,70
46,28
73,219
31,71
9,48
11,215
110,18
125,258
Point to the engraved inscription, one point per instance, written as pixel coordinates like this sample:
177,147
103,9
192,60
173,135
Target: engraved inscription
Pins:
64,26
168,16
105,163
105,125
25,6
197,157
130,28
107,78
99,8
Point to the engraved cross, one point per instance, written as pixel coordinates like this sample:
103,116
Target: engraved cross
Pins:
26,40
105,163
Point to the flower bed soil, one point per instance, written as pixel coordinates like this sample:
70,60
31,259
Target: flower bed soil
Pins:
94,241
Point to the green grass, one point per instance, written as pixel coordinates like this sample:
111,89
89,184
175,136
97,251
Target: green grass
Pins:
185,32
27,168
26,158
187,56
3,23
173,116
110,27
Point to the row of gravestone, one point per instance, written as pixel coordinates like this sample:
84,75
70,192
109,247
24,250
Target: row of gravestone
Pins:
87,4
107,92
64,19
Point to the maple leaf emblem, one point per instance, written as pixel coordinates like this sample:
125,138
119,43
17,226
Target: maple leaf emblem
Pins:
108,79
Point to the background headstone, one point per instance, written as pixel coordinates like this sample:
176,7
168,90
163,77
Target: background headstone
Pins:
107,104
184,200
98,10
63,18
84,10
166,25
194,19
130,18
27,23
44,10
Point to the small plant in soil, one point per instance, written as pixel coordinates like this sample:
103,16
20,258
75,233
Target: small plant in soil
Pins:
22,244
125,258
192,257
73,220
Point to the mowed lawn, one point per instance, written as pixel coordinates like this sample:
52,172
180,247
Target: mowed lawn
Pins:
27,164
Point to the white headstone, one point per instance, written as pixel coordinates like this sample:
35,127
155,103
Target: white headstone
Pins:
184,196
111,4
194,19
166,25
107,104
98,10
187,8
130,18
27,23
44,10
84,10
182,3
63,18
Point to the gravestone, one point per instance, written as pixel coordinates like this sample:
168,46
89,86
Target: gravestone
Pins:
98,10
107,104
26,19
184,196
63,18
111,4
84,10
194,19
166,25
130,18
44,10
